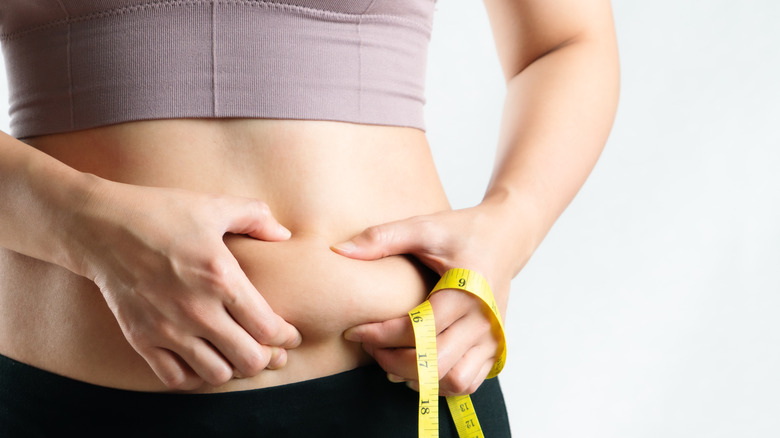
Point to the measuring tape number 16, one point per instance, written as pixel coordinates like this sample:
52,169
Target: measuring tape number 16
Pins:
424,326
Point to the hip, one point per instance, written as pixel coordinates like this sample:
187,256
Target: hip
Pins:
360,402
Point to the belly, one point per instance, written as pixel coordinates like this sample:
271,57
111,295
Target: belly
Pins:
324,181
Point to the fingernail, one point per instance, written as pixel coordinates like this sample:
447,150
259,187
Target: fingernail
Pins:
285,232
344,247
395,379
352,335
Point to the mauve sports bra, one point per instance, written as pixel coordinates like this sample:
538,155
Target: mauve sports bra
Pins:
76,64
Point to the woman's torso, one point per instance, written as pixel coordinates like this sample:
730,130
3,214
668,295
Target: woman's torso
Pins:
325,181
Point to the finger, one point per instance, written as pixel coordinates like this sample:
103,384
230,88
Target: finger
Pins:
458,339
406,236
206,361
452,346
466,376
278,360
171,370
252,217
395,332
453,343
240,349
278,357
399,363
450,305
481,376
266,327
252,312
478,380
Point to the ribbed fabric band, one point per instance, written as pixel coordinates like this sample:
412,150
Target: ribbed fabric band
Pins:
130,60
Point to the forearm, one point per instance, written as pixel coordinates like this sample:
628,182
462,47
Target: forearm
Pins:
556,120
159,259
40,195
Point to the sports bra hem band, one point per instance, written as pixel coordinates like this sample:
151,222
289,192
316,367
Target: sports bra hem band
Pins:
340,16
87,63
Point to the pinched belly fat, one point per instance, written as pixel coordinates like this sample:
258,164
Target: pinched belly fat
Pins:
59,322
325,181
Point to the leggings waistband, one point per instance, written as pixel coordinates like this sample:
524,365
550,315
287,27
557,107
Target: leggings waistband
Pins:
356,403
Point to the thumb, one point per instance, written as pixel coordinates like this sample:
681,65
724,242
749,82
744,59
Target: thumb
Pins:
392,238
253,217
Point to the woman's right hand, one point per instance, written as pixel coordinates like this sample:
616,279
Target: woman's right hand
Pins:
179,295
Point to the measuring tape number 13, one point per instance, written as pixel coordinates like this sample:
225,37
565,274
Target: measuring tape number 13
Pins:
424,326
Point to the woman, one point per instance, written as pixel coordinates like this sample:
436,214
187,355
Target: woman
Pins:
209,196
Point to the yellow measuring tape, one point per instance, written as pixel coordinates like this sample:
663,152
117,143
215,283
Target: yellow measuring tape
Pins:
424,326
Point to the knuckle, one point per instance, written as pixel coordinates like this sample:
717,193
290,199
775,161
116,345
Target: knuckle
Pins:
253,364
150,334
267,329
217,275
458,382
258,210
137,337
374,234
262,209
252,361
177,379
219,375
215,270
174,380
162,331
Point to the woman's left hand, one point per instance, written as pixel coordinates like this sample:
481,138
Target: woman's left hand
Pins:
466,345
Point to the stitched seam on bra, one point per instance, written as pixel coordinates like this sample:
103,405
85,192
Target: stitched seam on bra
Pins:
360,70
214,58
360,58
253,3
70,70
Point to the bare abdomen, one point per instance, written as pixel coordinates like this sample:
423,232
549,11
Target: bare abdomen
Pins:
324,181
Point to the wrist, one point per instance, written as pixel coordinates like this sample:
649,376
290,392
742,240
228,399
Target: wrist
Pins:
518,224
41,195
80,208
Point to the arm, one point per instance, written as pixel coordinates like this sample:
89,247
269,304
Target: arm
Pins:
560,62
157,256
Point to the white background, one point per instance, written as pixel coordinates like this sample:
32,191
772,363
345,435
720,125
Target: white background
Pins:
652,309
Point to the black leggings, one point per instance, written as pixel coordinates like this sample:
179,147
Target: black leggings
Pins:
357,403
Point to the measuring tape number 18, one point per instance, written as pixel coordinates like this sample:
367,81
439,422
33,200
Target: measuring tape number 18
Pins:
424,326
